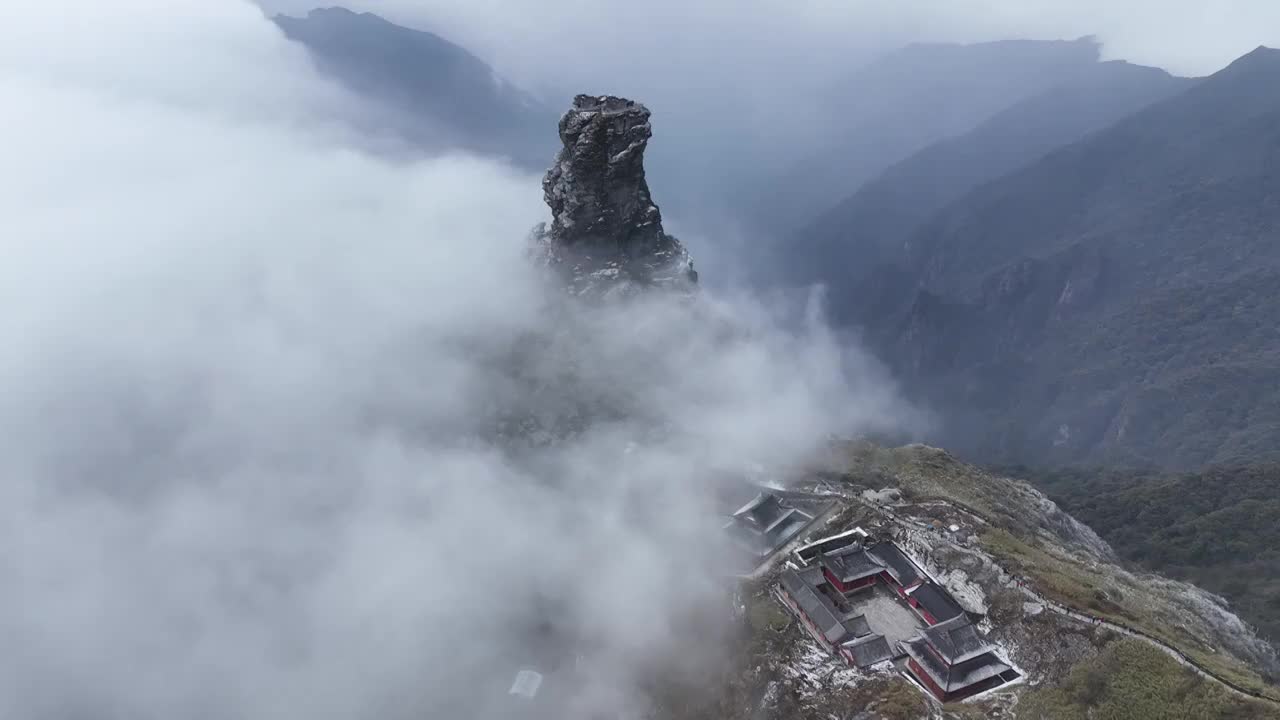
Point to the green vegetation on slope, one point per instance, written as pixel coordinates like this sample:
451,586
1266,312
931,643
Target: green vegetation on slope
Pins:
1132,680
1088,589
1111,302
1050,550
1218,528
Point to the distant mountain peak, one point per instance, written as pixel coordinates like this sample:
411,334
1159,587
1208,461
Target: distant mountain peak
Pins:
348,25
335,10
432,92
1086,49
1261,58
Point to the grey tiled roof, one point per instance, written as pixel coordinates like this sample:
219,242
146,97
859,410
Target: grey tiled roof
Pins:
812,575
761,512
748,537
766,523
869,650
936,600
899,565
953,678
853,562
957,640
836,627
851,566
786,526
816,606
857,625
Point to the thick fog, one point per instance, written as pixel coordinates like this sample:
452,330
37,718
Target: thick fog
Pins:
291,430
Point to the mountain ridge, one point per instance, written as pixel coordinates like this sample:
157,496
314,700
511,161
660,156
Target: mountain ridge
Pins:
1214,527
902,102
855,248
1028,306
434,93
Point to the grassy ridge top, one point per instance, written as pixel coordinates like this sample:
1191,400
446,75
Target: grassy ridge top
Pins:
1032,537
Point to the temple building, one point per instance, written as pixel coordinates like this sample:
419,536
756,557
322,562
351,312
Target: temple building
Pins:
841,595
934,604
845,633
766,523
855,566
954,660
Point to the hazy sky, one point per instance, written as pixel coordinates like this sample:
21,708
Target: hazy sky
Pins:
278,437
741,89
761,45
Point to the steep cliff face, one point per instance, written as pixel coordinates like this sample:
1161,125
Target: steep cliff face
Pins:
606,233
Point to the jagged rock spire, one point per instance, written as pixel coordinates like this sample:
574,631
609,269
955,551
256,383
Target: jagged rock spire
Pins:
606,231
597,190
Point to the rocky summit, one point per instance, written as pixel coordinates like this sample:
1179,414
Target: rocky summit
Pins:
606,233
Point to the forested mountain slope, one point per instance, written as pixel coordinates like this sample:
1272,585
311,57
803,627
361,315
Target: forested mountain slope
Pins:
1216,527
855,248
1113,301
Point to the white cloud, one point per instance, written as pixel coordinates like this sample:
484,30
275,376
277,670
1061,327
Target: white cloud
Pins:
252,377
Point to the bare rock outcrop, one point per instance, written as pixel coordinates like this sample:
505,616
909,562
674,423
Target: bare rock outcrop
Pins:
606,233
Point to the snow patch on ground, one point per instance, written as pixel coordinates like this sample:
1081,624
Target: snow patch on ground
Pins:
919,546
966,591
810,668
771,693
887,496
844,677
815,671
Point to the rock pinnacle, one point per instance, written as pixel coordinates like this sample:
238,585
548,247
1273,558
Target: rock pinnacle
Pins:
606,232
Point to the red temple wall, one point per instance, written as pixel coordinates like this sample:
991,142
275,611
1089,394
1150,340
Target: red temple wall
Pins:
923,677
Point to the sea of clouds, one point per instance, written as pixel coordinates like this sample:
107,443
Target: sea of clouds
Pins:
292,429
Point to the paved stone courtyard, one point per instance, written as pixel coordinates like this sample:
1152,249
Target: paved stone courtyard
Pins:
886,613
